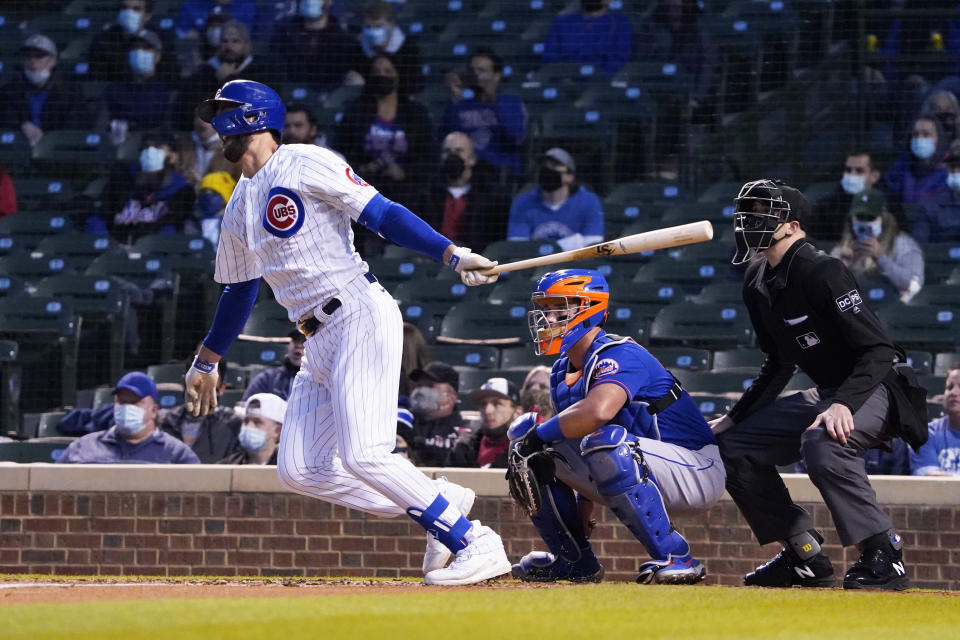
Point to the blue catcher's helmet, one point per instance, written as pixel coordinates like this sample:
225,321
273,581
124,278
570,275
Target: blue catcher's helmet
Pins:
257,107
566,305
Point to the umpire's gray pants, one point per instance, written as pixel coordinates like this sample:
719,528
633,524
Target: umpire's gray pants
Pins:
777,435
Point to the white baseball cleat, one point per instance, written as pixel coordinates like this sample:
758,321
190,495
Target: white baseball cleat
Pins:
437,554
482,559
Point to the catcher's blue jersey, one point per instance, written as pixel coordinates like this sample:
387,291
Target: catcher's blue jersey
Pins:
623,362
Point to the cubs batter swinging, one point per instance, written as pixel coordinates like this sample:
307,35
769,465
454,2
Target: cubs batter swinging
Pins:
288,222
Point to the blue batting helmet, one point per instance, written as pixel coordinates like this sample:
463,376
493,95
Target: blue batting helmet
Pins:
256,107
567,304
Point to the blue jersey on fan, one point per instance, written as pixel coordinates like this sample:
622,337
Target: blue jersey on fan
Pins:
621,361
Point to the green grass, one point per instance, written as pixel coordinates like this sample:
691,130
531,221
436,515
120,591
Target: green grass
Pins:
598,612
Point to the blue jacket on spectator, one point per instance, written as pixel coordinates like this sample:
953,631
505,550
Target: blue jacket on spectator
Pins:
941,453
193,14
276,381
606,41
532,219
144,105
82,421
104,447
938,221
496,129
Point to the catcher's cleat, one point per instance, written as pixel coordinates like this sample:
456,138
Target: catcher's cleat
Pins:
786,570
543,566
482,559
878,569
437,554
673,570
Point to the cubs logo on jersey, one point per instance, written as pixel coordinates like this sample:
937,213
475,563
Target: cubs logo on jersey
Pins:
284,213
354,178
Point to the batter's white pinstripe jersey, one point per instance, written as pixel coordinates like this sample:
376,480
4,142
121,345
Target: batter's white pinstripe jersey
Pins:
290,224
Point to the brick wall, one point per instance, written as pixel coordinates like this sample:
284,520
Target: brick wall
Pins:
278,534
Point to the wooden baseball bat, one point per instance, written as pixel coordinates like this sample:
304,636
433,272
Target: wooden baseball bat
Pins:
690,233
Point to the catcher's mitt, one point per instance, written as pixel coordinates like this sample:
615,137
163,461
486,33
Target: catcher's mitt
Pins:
526,475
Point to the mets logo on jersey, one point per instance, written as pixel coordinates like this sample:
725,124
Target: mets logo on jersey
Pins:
606,367
354,178
284,214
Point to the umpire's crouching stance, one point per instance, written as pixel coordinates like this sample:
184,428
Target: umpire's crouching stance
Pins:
807,311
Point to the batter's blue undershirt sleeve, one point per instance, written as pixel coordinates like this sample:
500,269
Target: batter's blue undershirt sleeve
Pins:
403,227
232,312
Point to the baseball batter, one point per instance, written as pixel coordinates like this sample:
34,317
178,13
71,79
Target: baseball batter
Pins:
288,222
627,435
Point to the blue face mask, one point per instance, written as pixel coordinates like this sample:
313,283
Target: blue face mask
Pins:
151,159
311,9
129,20
252,439
867,230
375,36
141,60
953,181
128,418
923,148
853,184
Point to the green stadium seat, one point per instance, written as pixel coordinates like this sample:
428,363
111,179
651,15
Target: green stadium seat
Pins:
938,295
38,193
719,213
231,397
799,382
683,358
738,360
269,320
712,406
15,153
171,395
10,383
723,191
651,296
689,276
393,271
172,244
720,293
81,248
167,373
36,451
462,355
921,361
33,267
30,228
662,78
247,352
715,383
482,323
102,396
523,358
429,292
11,286
710,326
47,427
941,259
514,289
944,361
513,250
926,328
82,150
629,321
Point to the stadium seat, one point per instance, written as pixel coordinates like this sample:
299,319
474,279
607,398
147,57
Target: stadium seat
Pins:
689,276
36,451
81,248
47,427
33,267
926,328
173,244
683,358
712,406
940,260
739,360
938,295
523,358
83,150
934,410
944,361
630,321
10,383
269,320
102,396
720,293
651,296
482,323
10,285
511,250
718,213
171,395
247,352
461,355
799,382
711,326
15,152
715,383
393,271
723,191
513,289
231,398
40,193
30,228
429,291
921,361
167,373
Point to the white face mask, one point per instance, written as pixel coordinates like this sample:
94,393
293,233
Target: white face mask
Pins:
853,184
129,20
141,60
151,159
311,9
37,78
128,418
213,36
252,439
953,181
923,148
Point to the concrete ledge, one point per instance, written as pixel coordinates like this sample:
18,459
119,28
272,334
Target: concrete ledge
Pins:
901,490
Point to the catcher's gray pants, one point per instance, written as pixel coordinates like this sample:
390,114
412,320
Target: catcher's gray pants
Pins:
777,435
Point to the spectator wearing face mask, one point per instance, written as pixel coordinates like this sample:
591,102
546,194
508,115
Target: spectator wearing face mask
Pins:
558,208
39,99
831,212
499,404
108,51
874,247
939,221
201,153
465,202
594,36
260,434
312,47
918,175
382,35
436,422
142,101
134,437
943,106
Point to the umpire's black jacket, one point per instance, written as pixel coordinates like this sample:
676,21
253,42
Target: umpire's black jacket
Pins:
808,312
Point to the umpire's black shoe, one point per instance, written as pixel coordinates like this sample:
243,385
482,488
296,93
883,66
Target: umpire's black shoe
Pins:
879,568
786,570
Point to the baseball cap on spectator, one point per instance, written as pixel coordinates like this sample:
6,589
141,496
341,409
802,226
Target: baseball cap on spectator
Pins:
559,155
40,42
498,387
140,384
266,405
437,371
145,35
869,204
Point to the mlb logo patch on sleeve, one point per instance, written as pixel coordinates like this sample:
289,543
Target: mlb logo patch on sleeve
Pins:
849,300
284,213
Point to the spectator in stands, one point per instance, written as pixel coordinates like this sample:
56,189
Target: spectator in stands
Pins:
382,35
134,437
558,208
436,422
943,106
499,403
194,14
212,197
873,246
464,201
385,136
593,36
832,212
312,47
940,456
496,123
300,125
939,220
415,356
8,194
918,176
262,422
279,380
150,197
142,102
538,378
108,52
212,437
40,99
202,153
